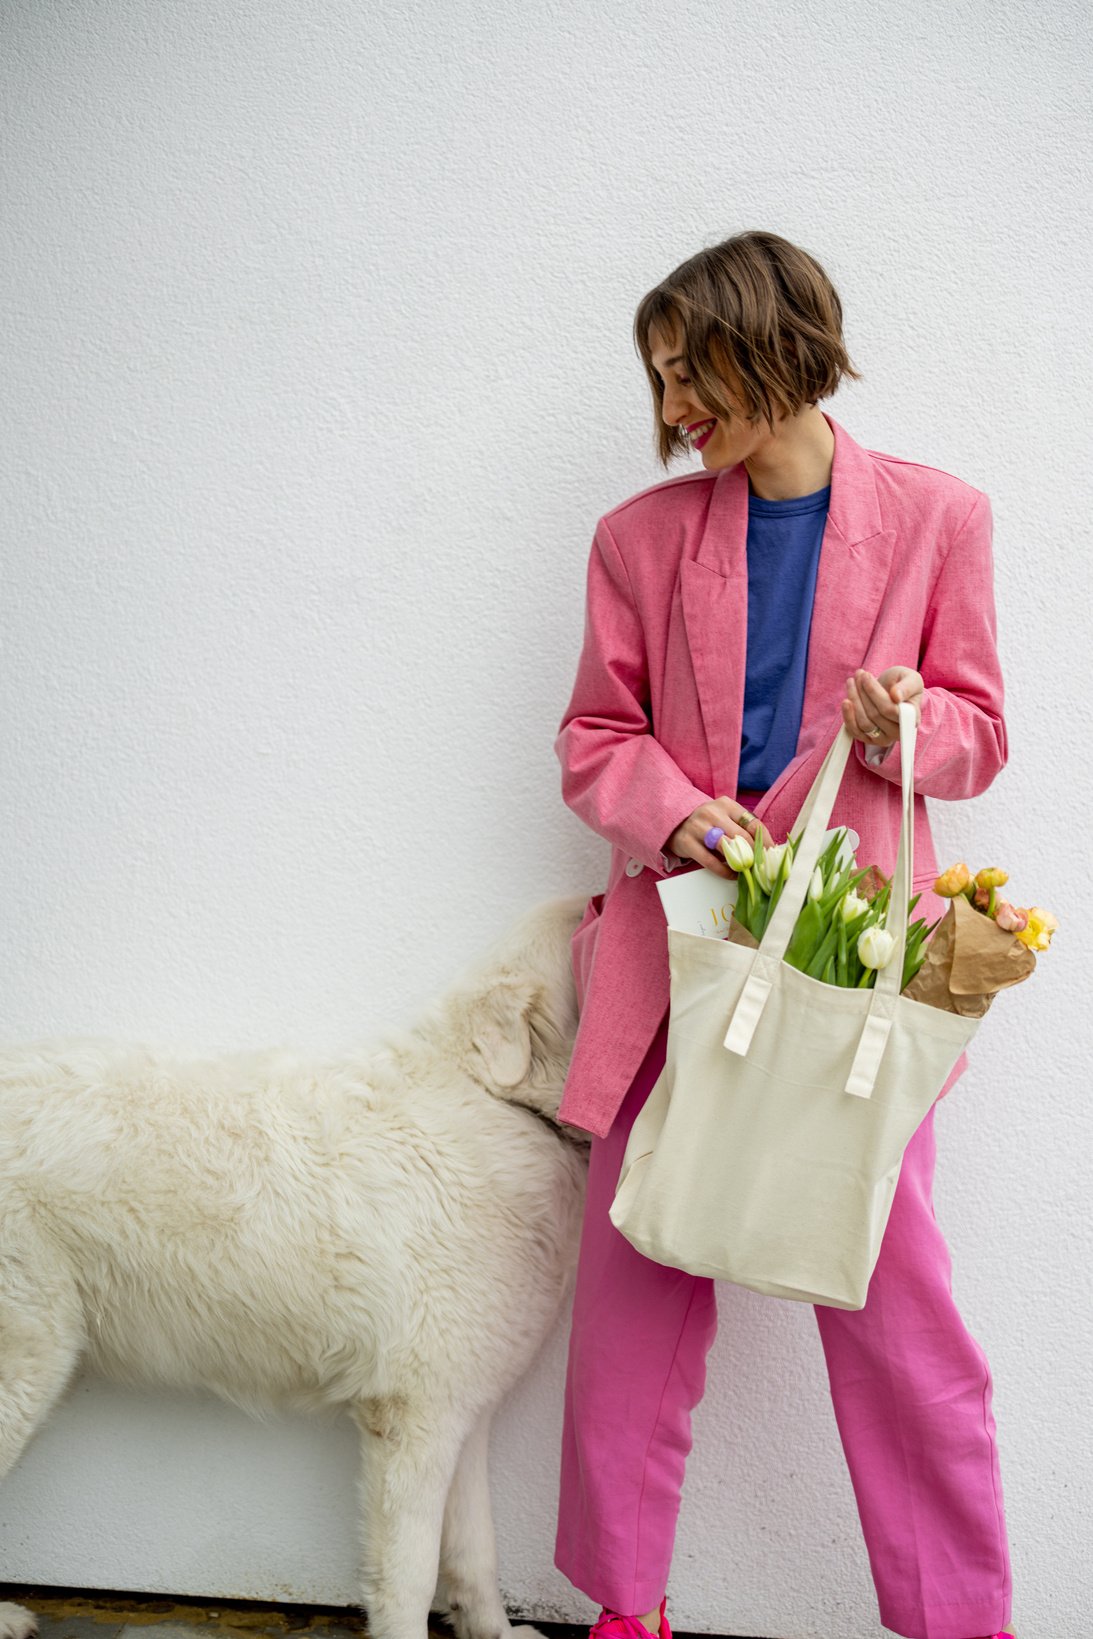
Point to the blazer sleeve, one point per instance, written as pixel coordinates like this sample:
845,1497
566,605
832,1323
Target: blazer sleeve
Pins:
962,742
616,776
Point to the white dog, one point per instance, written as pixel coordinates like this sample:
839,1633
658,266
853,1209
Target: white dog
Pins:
390,1232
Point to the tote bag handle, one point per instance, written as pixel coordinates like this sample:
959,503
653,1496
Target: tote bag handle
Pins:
808,837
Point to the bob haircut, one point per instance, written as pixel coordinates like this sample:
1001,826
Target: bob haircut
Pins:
754,313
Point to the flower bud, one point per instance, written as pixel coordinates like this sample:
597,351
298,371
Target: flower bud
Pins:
876,947
992,877
768,867
739,853
953,881
853,905
816,884
1010,917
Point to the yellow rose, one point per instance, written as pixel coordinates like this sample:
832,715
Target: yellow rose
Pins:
1041,925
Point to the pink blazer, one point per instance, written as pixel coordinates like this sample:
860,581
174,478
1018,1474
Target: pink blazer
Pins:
653,726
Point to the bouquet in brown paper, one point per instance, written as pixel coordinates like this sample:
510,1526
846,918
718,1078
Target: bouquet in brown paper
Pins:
980,946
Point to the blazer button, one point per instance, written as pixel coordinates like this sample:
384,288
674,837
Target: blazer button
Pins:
634,867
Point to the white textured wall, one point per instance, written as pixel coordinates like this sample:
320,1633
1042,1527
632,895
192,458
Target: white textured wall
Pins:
317,375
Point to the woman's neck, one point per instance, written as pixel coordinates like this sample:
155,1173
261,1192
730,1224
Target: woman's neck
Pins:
795,460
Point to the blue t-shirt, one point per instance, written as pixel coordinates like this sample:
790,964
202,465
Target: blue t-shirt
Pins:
784,540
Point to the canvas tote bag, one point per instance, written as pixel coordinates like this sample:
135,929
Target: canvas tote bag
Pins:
768,1150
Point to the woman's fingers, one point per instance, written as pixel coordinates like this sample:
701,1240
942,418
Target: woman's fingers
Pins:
744,822
723,814
694,847
730,817
871,707
878,702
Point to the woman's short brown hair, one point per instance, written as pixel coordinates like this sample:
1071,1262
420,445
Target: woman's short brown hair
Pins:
754,312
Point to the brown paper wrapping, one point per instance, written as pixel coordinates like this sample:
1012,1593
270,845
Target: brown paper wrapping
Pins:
969,958
871,883
739,935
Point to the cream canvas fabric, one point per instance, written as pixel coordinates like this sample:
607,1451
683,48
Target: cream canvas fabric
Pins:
769,1149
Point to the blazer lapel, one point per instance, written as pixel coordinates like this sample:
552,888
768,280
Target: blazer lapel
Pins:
855,558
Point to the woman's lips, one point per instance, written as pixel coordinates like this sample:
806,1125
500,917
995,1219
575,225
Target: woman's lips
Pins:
706,436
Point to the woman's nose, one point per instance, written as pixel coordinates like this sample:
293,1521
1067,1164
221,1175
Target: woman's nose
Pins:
672,409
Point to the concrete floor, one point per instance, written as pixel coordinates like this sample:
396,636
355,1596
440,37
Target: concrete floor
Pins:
64,1614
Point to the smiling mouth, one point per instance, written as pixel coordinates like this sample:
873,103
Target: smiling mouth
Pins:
698,435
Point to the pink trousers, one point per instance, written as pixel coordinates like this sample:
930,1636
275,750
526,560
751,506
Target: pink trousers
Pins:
911,1391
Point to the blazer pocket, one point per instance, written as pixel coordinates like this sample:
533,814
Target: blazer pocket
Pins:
583,946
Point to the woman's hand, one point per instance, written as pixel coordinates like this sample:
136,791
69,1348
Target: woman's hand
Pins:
688,839
873,703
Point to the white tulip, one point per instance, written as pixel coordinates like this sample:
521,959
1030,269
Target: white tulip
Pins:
739,852
853,905
816,884
767,869
876,947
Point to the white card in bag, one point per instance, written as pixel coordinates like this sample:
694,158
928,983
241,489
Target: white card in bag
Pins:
700,902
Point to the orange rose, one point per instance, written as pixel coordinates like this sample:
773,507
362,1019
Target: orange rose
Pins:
953,881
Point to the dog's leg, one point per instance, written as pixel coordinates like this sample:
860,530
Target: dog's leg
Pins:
16,1622
41,1340
468,1551
408,1459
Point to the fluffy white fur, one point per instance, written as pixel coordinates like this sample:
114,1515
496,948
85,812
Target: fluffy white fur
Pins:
390,1232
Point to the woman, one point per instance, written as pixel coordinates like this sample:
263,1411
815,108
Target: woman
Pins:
735,615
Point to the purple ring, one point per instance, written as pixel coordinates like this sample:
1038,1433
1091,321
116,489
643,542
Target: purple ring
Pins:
713,837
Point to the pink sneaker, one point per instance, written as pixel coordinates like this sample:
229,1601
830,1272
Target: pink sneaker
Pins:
610,1625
